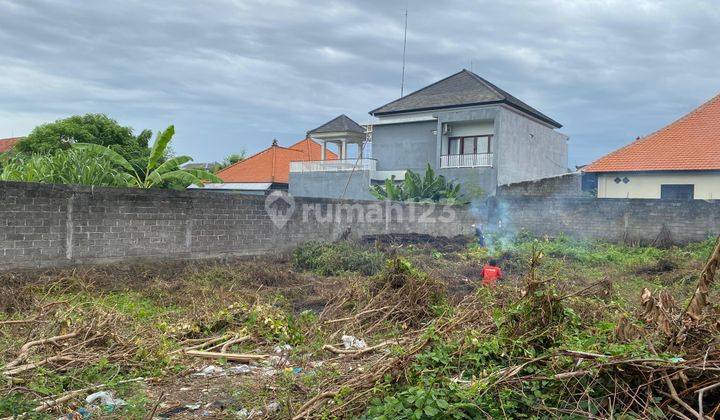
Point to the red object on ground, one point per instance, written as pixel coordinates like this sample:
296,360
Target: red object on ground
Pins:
490,275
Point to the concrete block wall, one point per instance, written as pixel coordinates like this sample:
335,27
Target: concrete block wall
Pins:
613,220
45,225
567,185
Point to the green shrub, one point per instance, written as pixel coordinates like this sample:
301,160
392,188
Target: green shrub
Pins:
594,253
337,258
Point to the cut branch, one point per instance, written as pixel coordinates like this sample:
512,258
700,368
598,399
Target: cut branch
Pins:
235,357
707,277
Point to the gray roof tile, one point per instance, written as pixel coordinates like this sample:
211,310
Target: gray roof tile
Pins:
464,88
339,124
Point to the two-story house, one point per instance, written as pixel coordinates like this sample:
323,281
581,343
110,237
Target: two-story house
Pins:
466,128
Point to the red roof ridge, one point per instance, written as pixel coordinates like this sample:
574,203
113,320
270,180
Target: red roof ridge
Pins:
243,160
683,118
698,131
302,142
273,163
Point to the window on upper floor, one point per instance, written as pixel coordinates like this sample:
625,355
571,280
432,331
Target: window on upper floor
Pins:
469,145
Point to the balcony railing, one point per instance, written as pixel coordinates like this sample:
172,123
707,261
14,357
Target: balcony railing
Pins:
333,165
466,161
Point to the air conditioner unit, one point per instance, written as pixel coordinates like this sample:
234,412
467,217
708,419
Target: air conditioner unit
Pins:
447,129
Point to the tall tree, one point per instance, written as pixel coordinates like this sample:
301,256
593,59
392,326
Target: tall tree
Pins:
47,139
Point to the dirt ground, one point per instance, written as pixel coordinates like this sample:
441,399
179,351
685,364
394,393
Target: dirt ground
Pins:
135,321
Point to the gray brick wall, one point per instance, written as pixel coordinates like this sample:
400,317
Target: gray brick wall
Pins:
614,220
45,225
567,185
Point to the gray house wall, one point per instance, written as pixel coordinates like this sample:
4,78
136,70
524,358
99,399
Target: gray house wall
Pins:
527,149
523,149
331,185
484,178
404,146
472,178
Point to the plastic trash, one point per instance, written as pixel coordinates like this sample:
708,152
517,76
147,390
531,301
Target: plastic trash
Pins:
278,361
78,414
241,369
244,414
293,370
268,371
209,370
273,407
351,342
106,398
283,349
193,407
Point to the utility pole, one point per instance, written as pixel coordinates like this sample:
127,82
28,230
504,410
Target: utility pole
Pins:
402,80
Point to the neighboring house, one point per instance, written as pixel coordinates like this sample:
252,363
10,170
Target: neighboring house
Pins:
267,170
679,161
7,144
466,128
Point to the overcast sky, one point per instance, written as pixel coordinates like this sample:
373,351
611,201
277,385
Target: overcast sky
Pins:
233,75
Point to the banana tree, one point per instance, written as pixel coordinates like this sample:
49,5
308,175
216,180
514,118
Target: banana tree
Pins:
427,188
64,167
388,191
156,172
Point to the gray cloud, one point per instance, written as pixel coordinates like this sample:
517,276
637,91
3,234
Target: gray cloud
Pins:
235,74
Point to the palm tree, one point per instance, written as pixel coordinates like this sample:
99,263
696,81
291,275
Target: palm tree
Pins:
156,172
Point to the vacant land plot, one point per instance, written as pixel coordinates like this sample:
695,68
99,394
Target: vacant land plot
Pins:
397,327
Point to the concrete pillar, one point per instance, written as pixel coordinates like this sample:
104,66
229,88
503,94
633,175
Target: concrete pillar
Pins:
323,150
343,150
438,145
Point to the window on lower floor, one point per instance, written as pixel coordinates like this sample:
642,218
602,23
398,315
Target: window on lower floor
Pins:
677,191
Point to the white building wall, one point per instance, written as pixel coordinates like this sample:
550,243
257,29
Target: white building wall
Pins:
647,184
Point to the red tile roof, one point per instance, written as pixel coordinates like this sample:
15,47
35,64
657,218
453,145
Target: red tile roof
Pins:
273,163
7,144
691,143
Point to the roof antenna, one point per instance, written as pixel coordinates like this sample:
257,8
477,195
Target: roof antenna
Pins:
402,81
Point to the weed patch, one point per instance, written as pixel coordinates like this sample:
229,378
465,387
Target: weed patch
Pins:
574,330
338,258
